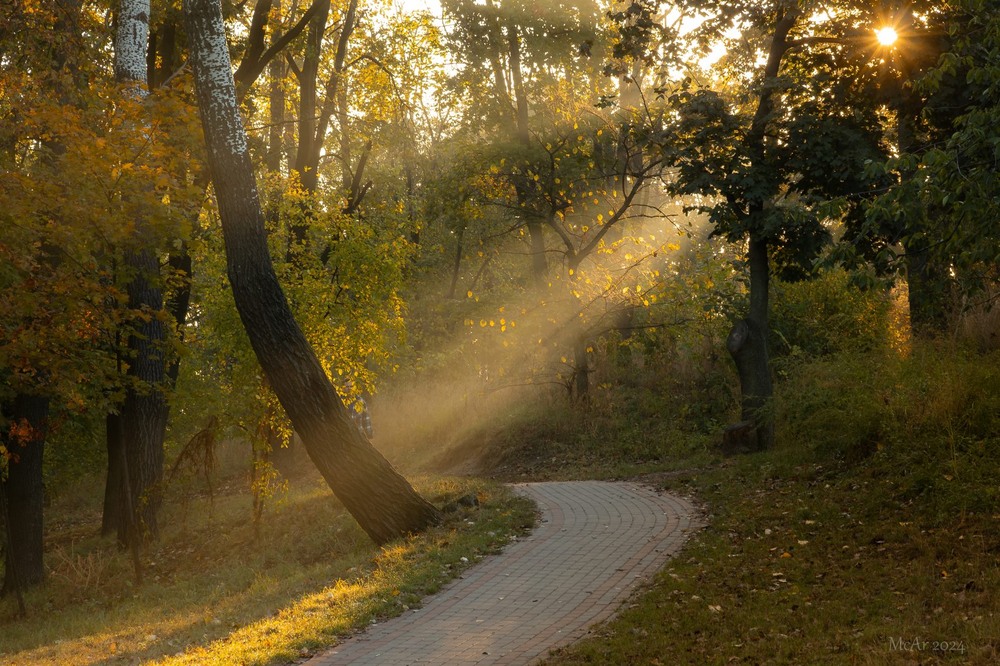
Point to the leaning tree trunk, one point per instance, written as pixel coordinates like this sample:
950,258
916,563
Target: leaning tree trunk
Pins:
747,344
380,499
23,493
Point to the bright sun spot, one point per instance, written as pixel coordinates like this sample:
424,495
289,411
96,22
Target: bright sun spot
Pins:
886,36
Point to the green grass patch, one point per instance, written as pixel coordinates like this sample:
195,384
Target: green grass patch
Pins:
812,564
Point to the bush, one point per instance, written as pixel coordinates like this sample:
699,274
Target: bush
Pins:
929,420
828,315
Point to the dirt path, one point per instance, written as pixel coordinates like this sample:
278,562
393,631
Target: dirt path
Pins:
596,541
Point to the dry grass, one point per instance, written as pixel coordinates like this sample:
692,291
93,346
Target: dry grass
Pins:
215,592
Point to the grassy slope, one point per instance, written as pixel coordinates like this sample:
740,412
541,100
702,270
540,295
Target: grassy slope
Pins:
873,524
870,535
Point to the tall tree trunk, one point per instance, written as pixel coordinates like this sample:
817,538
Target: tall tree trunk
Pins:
379,498
276,104
928,283
24,436
307,148
747,344
144,411
747,341
23,490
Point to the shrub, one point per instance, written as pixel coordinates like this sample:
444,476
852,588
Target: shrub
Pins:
828,315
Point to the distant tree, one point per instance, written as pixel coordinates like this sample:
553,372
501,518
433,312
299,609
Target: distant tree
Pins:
939,210
779,163
54,47
384,504
512,57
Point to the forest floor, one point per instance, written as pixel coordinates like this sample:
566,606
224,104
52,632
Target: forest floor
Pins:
219,590
805,559
869,535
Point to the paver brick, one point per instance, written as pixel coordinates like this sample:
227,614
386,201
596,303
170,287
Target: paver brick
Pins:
595,543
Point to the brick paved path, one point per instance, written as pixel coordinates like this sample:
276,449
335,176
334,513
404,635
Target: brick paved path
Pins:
596,542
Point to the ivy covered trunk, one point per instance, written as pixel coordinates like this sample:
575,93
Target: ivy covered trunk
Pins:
24,437
379,498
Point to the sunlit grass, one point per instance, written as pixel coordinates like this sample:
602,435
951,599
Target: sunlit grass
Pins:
217,593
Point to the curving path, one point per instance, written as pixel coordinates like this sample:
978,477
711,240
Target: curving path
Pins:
596,541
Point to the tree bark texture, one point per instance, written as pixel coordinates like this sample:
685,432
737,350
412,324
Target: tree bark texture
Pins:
379,498
747,344
144,411
111,517
24,436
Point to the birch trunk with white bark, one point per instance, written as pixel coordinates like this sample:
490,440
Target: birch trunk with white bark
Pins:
144,410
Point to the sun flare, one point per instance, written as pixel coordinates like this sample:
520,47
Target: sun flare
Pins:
886,36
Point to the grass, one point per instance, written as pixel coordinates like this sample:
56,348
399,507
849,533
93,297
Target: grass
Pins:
870,535
216,592
813,565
